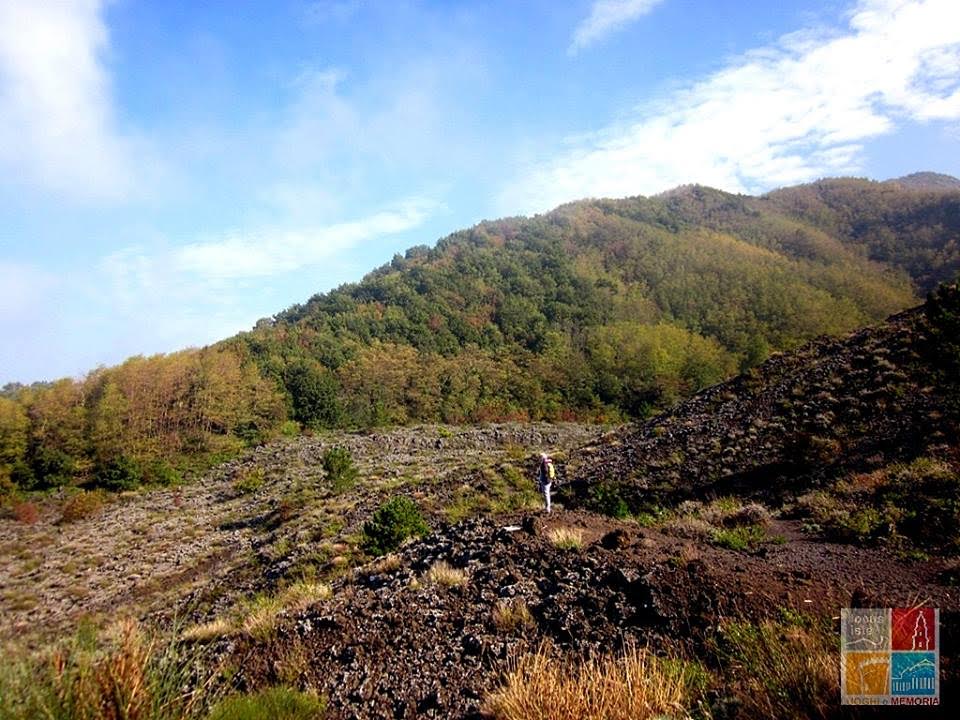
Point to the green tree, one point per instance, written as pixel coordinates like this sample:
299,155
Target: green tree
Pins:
313,393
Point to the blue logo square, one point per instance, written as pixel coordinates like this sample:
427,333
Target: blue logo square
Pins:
913,673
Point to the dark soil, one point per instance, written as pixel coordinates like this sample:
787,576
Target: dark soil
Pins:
799,421
389,644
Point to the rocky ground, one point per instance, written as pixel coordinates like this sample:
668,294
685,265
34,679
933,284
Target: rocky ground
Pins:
391,643
407,636
200,547
800,420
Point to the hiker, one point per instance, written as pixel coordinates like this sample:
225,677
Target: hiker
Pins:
545,475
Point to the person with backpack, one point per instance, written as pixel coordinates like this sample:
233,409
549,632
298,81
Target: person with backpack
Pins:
545,476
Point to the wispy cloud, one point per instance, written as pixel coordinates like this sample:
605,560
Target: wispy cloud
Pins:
272,252
57,125
795,110
213,287
606,17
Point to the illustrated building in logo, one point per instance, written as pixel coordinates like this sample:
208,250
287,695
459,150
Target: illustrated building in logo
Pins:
890,656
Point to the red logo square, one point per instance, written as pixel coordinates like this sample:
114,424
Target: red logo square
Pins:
914,629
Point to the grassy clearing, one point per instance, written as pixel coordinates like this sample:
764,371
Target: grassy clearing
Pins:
566,538
903,505
495,490
634,686
258,618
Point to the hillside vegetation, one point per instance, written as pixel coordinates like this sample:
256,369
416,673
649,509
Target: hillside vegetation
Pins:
601,309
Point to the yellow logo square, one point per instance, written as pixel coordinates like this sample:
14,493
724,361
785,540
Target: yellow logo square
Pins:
866,673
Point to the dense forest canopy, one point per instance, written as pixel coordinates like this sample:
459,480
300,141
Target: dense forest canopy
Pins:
604,309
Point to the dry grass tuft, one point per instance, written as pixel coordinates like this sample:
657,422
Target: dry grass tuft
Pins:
635,686
689,527
510,615
566,538
386,564
261,619
205,632
302,595
443,574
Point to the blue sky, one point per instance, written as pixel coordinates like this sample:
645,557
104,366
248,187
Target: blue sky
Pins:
172,171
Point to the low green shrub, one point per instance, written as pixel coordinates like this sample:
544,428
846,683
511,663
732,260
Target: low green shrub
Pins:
392,523
249,481
744,537
290,428
605,498
160,472
341,472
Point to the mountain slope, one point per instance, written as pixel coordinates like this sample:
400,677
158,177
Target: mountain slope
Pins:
601,309
578,305
912,223
927,181
858,433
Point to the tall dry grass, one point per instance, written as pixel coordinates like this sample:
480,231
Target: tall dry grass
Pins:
780,671
633,686
128,675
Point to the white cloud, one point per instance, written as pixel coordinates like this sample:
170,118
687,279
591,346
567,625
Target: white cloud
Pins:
606,17
159,299
782,114
269,253
57,129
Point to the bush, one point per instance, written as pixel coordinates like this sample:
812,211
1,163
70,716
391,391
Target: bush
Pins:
22,475
160,472
339,467
81,505
392,523
120,473
26,512
248,481
276,703
606,499
51,467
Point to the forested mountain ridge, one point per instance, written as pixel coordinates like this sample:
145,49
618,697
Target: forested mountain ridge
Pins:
598,309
